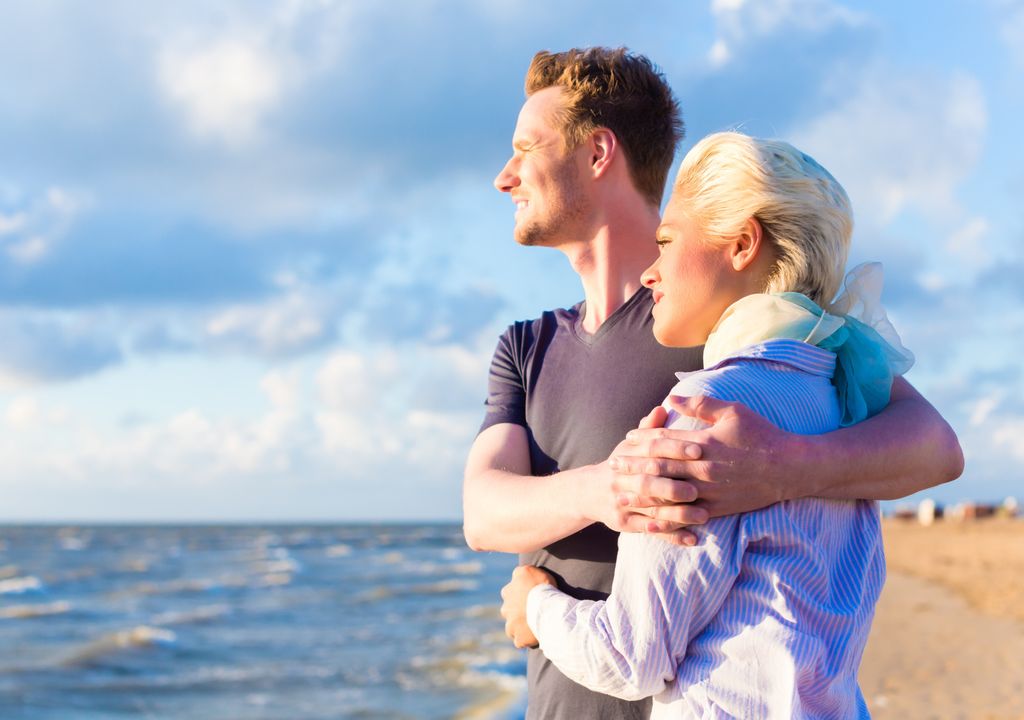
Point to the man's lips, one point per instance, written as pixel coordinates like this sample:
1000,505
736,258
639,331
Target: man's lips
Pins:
658,295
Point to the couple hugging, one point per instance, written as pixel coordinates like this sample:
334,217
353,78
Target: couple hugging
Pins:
744,579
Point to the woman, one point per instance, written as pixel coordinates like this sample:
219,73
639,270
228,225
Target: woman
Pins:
769,614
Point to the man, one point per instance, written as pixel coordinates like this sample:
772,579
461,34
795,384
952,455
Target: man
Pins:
548,476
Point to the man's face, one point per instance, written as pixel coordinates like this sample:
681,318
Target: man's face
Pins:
542,177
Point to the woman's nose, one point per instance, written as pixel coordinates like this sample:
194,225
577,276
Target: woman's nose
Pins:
650,276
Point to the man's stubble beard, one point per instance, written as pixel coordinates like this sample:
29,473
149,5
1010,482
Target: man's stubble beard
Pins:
566,210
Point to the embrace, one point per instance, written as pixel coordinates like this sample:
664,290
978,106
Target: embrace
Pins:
722,559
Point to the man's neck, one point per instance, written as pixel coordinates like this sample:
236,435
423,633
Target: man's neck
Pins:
611,261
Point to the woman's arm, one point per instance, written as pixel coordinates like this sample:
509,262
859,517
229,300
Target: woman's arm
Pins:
632,644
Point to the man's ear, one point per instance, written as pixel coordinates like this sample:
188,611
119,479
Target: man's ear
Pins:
748,245
604,146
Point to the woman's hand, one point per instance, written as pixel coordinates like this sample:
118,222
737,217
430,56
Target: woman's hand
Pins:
513,607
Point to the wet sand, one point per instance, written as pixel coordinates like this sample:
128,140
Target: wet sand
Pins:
948,636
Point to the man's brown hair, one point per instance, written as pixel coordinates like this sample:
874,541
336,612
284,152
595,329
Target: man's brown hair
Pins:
623,92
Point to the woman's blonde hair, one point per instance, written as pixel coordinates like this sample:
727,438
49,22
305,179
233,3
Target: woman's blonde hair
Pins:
728,178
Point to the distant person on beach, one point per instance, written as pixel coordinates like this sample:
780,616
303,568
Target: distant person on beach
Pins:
549,475
768,616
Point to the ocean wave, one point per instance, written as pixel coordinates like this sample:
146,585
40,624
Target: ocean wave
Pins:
9,571
273,580
269,567
202,614
491,611
141,636
21,585
32,611
135,565
338,550
73,543
472,567
494,675
442,587
197,585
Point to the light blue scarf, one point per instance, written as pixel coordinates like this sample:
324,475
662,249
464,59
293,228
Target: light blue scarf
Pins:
868,351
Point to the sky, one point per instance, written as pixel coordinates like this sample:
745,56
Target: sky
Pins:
253,267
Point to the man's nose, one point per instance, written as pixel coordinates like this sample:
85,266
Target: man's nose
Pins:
507,179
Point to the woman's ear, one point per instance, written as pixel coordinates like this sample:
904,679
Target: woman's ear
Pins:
747,246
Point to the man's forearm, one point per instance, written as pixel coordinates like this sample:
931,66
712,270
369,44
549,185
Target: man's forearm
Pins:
906,448
508,512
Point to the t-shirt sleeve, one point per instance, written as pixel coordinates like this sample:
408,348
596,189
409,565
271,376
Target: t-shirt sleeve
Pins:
506,390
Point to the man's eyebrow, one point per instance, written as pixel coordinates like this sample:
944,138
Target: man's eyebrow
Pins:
523,143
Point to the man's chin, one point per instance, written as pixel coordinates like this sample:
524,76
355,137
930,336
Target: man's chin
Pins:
528,239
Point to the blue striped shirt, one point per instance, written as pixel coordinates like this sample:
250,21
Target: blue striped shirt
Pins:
767,617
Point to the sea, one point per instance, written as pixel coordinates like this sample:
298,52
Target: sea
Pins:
253,623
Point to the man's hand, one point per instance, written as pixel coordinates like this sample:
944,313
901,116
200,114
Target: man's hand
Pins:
735,465
635,498
513,606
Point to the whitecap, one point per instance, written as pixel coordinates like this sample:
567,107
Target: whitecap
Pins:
444,587
73,543
273,580
204,613
137,637
473,567
270,567
31,611
19,585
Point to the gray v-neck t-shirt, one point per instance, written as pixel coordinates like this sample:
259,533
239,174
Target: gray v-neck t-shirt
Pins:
578,394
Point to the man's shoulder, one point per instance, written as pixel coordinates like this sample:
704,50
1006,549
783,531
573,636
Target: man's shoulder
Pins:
526,331
555,314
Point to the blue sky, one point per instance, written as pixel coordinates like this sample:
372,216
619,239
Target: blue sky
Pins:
252,265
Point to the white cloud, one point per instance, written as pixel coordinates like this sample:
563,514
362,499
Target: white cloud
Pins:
11,223
719,53
1008,435
902,141
722,6
291,323
738,21
22,413
363,418
225,89
30,233
29,250
1012,31
984,407
969,244
351,381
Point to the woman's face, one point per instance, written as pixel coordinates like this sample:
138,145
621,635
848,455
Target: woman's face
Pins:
693,280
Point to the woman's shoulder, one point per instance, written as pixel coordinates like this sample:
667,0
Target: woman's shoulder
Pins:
794,396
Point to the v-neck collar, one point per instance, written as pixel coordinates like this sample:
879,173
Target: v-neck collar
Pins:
581,310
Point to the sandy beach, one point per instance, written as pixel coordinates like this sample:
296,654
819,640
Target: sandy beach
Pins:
948,636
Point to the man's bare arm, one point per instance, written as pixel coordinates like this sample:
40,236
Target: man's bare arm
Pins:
906,448
508,510
745,463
